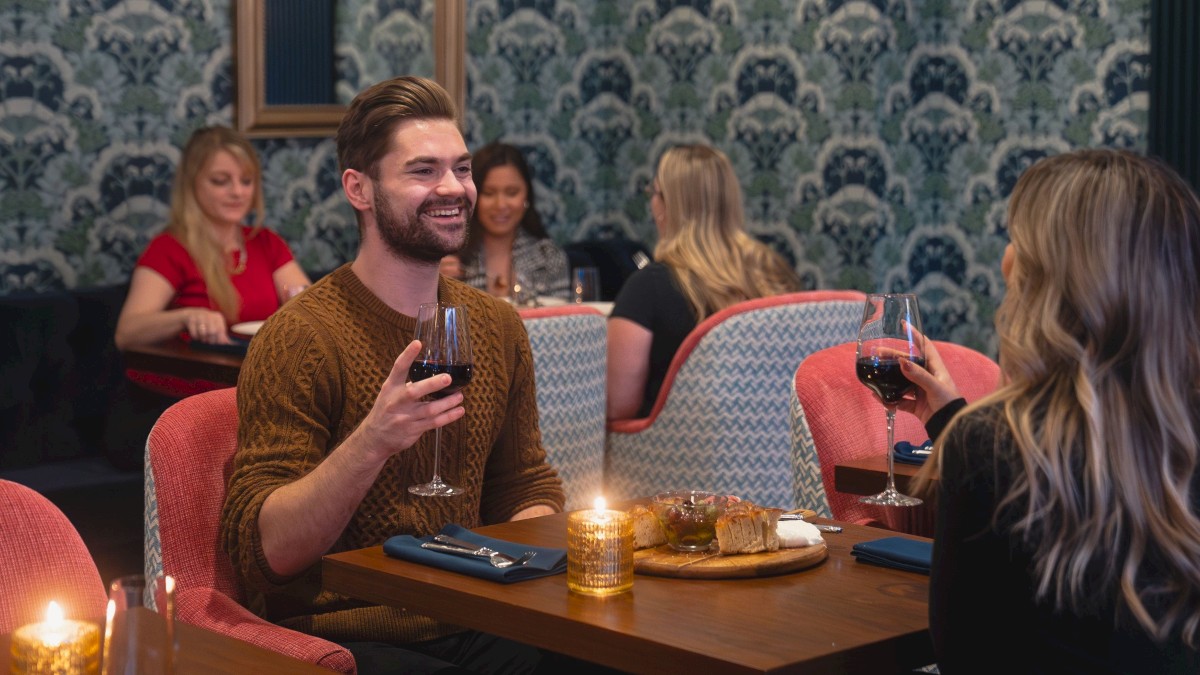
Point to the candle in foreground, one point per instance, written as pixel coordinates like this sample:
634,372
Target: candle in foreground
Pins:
599,551
56,646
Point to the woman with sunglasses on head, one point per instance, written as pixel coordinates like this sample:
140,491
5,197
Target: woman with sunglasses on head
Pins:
704,262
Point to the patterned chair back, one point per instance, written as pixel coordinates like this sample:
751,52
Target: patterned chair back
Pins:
43,558
569,350
720,422
835,418
189,458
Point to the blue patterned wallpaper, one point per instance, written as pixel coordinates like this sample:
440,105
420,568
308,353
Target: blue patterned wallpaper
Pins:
877,140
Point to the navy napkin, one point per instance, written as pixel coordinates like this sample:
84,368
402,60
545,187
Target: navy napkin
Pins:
547,562
897,552
905,452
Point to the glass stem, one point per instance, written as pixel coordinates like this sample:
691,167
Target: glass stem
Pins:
891,444
437,452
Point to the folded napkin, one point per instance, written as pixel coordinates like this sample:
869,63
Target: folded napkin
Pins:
797,534
897,552
906,452
547,562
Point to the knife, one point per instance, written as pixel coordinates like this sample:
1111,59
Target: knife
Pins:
474,548
831,529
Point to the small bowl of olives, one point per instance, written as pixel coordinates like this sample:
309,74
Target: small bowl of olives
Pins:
689,518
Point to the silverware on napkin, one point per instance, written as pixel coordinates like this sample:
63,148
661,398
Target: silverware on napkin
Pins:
493,556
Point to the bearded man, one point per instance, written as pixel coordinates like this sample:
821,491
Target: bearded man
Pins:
331,432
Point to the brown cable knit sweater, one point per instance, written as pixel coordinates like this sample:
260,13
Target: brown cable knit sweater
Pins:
311,375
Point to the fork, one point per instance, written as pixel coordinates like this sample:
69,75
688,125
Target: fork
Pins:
640,259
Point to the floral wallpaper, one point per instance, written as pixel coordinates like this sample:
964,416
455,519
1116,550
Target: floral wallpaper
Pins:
876,140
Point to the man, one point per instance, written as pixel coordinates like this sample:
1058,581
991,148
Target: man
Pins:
331,433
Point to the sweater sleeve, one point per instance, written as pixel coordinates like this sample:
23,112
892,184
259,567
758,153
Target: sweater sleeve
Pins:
282,432
517,475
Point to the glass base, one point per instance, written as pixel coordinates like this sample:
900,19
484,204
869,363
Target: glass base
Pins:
435,488
891,497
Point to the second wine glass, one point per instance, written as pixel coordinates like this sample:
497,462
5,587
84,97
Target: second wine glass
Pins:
890,331
445,340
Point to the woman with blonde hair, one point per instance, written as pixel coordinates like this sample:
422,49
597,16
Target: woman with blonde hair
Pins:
1068,502
210,269
704,262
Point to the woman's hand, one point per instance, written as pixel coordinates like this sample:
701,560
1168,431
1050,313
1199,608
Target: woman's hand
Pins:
205,325
935,387
451,266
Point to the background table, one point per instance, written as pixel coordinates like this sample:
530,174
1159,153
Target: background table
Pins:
203,652
868,475
175,357
841,616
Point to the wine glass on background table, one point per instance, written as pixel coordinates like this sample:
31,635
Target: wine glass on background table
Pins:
445,341
890,331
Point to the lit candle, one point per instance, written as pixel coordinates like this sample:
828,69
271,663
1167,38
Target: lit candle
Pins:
599,551
56,646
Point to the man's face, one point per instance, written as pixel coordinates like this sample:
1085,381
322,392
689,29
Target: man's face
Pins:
424,193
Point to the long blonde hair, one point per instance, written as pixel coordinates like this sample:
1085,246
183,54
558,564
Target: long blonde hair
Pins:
1100,347
704,240
188,223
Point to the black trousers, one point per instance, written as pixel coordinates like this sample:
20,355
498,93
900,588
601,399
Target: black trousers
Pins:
466,652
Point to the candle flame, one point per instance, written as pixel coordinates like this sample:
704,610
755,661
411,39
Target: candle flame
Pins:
600,504
54,613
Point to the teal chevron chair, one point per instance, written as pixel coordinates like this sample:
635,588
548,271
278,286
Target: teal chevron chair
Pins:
569,346
721,420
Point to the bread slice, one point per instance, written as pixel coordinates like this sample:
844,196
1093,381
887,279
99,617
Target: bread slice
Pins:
647,531
748,528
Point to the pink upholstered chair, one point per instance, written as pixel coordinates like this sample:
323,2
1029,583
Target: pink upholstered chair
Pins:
189,457
837,418
43,559
569,346
721,419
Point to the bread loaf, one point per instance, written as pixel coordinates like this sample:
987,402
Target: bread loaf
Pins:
748,528
647,531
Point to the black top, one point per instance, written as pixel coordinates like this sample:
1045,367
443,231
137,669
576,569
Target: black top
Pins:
982,612
652,299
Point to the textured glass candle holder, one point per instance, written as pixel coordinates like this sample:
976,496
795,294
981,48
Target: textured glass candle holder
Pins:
56,647
599,552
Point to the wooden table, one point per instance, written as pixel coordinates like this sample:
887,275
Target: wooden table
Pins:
175,357
841,616
203,652
868,475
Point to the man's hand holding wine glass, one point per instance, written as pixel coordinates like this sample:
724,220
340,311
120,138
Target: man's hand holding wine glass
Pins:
405,410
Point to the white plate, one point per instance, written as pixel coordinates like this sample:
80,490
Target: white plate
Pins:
605,308
246,329
550,301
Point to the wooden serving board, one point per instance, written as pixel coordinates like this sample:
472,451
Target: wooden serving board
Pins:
662,561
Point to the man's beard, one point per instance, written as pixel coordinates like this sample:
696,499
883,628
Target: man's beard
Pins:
407,237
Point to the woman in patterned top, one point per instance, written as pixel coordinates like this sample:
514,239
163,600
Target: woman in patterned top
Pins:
507,241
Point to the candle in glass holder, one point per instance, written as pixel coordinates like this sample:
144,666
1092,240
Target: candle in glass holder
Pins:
599,551
56,646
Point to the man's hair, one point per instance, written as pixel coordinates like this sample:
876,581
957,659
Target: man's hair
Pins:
365,133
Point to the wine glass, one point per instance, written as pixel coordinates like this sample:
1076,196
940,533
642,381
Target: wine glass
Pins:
445,348
890,331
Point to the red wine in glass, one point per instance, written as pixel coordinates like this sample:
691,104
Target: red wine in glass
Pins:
884,377
890,331
460,375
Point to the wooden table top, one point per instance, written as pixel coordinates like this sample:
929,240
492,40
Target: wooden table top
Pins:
841,616
203,652
176,357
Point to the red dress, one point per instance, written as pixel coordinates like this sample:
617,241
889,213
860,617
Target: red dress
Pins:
265,253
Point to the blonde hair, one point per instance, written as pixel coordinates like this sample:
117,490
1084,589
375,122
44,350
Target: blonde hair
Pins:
704,240
190,226
1099,346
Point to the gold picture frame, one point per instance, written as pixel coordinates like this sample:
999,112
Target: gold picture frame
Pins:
256,118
